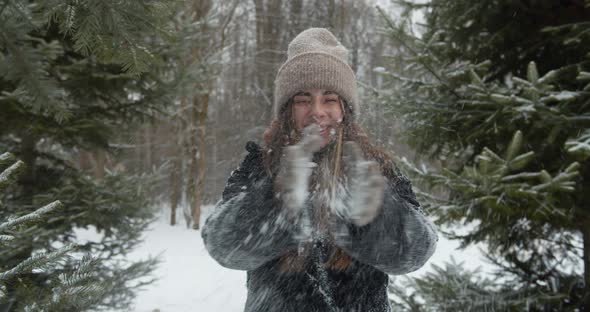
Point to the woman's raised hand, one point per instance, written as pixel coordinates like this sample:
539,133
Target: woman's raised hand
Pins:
365,186
296,167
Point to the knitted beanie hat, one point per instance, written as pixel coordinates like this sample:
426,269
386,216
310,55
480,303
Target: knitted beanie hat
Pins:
315,59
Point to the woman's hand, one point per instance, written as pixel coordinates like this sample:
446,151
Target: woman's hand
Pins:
365,186
296,167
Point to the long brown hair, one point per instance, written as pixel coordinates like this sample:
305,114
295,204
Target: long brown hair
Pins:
282,132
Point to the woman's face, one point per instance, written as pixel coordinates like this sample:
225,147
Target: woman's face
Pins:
319,106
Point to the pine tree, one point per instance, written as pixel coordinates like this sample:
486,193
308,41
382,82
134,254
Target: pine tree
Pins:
73,76
61,283
500,97
454,288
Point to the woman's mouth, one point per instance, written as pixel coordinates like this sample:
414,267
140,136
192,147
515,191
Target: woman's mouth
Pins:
325,131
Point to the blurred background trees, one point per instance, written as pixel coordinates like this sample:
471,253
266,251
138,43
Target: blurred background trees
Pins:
234,63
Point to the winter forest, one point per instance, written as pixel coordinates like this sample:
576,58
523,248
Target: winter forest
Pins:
121,121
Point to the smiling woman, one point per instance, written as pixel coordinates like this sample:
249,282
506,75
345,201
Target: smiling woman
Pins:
318,216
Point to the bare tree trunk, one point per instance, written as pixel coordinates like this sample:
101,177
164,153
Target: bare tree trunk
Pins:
174,197
200,102
296,8
175,176
99,163
190,152
342,23
200,9
268,31
331,14
192,149
84,160
200,109
201,119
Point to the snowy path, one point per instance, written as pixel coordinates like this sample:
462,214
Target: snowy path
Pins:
189,280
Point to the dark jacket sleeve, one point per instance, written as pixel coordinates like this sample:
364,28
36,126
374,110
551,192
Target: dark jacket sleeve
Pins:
400,239
245,229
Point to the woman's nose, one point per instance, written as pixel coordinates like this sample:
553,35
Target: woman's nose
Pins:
317,109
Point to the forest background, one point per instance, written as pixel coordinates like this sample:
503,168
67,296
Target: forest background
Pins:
117,107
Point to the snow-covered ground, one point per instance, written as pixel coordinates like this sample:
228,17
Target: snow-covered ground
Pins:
189,280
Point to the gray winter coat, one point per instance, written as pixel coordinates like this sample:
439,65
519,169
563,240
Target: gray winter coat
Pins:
248,232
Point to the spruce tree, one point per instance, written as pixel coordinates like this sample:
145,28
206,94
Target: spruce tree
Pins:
453,288
500,97
61,282
73,76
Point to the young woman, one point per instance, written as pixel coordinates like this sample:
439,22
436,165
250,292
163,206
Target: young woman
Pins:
318,216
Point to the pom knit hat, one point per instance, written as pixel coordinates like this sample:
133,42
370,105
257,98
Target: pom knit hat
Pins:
315,59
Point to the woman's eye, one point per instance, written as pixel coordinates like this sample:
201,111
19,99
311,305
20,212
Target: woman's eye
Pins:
302,102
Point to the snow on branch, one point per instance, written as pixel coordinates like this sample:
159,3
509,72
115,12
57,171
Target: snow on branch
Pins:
7,175
37,261
35,215
6,158
579,145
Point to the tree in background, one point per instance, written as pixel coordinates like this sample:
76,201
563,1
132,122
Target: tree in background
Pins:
73,75
257,42
499,94
180,136
230,56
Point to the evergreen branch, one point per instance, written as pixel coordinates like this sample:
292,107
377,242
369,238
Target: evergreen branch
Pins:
414,4
564,26
35,215
84,296
409,80
561,242
6,238
579,120
79,288
80,275
4,6
147,22
37,261
579,145
416,54
6,158
10,173
522,175
24,16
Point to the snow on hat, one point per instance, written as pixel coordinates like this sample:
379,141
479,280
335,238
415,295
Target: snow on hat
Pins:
315,59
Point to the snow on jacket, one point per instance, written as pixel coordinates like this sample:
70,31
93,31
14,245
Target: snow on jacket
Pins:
247,231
